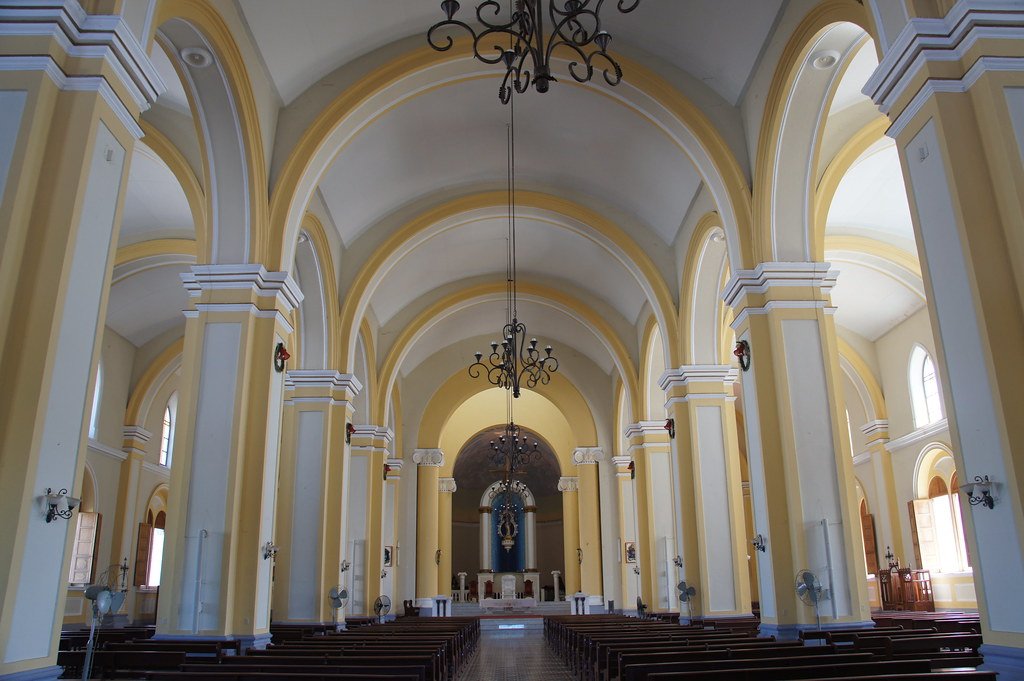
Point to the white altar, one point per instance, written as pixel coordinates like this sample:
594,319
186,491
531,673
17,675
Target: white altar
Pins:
506,604
503,586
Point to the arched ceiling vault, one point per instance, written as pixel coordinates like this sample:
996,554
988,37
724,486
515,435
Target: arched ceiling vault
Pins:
414,75
599,235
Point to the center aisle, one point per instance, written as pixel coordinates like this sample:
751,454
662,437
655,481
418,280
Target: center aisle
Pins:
513,654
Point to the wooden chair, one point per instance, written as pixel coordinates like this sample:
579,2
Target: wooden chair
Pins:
474,591
489,589
528,588
410,609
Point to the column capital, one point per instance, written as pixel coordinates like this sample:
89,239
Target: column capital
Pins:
305,385
646,428
447,485
568,484
484,509
584,456
229,286
428,457
909,73
780,284
134,439
876,432
371,438
80,51
394,467
529,509
690,374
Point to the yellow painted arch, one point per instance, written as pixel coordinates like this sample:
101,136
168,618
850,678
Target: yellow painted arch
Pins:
709,222
307,150
358,296
426,318
556,411
863,244
152,248
182,171
314,229
205,18
784,79
147,383
866,377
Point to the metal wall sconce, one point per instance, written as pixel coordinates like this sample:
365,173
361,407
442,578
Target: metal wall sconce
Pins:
579,555
636,569
281,355
383,574
270,550
979,492
742,352
344,566
759,543
678,561
59,504
670,426
349,429
437,557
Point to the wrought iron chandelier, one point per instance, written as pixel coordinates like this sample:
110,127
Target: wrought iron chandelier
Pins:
575,26
517,362
512,451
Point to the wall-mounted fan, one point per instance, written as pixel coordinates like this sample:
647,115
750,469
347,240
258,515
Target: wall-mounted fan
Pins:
810,591
641,607
382,606
104,601
338,598
686,594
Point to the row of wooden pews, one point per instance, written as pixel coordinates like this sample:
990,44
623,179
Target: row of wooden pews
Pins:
420,650
618,648
131,652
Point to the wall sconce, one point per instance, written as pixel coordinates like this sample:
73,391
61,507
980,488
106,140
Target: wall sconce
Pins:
579,555
636,569
270,550
759,543
383,574
979,492
349,429
670,426
59,504
437,557
344,566
281,355
387,469
678,561
632,470
742,352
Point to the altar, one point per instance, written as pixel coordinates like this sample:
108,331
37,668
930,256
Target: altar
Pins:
508,604
508,585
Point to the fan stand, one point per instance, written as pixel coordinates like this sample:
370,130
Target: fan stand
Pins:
91,645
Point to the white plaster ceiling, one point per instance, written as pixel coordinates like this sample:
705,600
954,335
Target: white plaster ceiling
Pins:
477,248
869,301
155,206
862,65
569,337
148,303
717,41
454,137
871,199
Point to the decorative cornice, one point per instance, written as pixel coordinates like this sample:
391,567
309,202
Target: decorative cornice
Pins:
428,457
323,379
107,39
394,465
769,275
698,373
949,39
876,431
584,456
646,428
447,485
622,461
136,433
861,457
567,484
921,434
156,469
373,433
279,286
100,448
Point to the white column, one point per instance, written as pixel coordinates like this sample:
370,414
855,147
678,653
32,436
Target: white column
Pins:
389,539
486,530
530,513
555,574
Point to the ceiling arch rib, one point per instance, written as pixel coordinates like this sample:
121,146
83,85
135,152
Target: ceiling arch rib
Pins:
585,319
566,215
414,73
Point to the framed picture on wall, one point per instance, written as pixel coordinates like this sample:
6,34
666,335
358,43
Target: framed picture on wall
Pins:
389,556
630,551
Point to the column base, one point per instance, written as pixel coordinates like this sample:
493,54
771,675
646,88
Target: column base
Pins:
41,674
426,606
1007,661
791,632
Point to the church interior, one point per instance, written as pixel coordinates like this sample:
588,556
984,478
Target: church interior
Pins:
364,321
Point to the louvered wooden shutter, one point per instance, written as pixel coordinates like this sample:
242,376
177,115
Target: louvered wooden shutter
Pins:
83,557
867,522
142,554
926,545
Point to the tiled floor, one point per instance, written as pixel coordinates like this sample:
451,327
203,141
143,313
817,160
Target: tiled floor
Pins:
514,655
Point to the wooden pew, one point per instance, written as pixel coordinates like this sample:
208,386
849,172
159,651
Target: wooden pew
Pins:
756,670
110,664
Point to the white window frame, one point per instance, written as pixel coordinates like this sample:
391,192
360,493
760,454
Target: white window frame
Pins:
97,393
925,395
168,422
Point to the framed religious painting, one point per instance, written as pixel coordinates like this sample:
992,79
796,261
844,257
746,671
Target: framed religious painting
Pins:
630,550
389,556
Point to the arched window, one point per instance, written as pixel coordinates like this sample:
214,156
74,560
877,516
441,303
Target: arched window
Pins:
937,527
94,416
167,433
924,389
